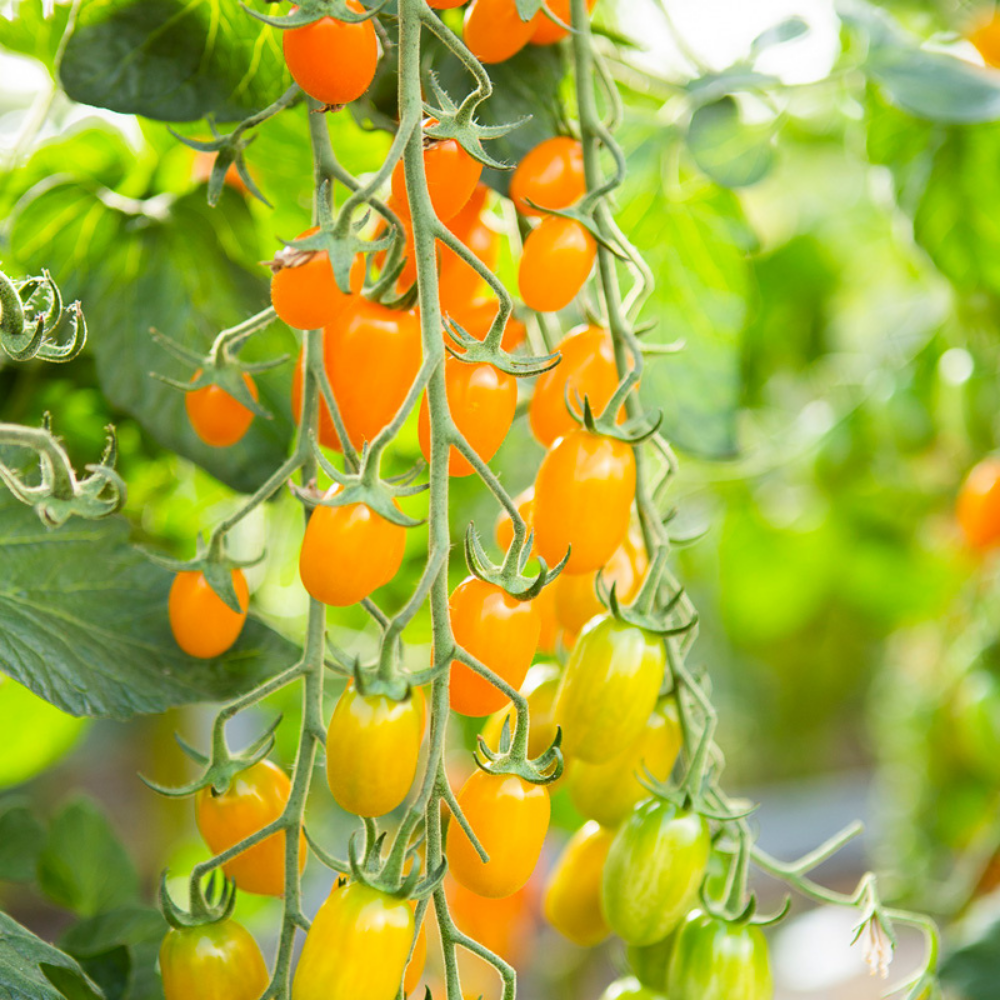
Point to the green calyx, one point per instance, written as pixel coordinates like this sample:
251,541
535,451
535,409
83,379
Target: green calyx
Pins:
511,756
310,11
209,907
634,431
387,875
33,320
488,350
509,576
648,611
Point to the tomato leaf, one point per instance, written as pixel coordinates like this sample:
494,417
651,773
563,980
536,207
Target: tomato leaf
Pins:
83,623
31,969
31,33
729,151
171,60
973,968
21,839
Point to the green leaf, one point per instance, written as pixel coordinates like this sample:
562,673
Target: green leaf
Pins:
730,152
21,839
29,968
784,31
173,60
83,623
973,968
31,33
84,866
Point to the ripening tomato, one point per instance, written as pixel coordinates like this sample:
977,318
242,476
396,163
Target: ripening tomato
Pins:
545,31
372,746
583,498
459,282
609,790
415,967
348,552
506,926
371,356
548,637
510,818
482,400
557,259
202,623
986,38
409,272
255,798
202,165
587,369
653,871
494,31
451,174
306,295
714,959
609,688
332,61
504,530
978,507
499,631
630,988
216,417
550,174
650,962
573,890
539,688
212,961
576,600
358,946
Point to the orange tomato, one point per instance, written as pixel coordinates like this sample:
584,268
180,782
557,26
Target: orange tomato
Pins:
494,30
551,174
986,38
978,507
201,171
557,259
451,175
202,623
545,31
548,636
217,418
415,967
504,531
506,926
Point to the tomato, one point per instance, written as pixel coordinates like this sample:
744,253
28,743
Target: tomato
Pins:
372,747
650,962
630,988
573,890
307,296
202,623
494,31
332,61
609,688
212,961
458,279
201,171
510,817
557,259
986,38
255,798
545,31
539,688
445,4
978,507
218,418
576,599
583,499
504,529
348,552
482,400
587,369
717,960
371,357
499,631
451,173
409,272
415,967
550,175
358,946
608,790
505,925
548,637
654,869
475,316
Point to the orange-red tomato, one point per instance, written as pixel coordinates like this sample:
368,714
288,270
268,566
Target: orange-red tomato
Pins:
332,61
525,503
482,400
510,818
986,38
506,925
557,259
307,295
587,369
202,623
978,507
371,357
583,497
218,418
494,30
347,552
459,282
451,173
255,798
545,31
499,631
550,175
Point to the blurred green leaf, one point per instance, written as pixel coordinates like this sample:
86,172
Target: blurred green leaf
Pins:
31,969
21,840
972,968
31,33
729,151
784,31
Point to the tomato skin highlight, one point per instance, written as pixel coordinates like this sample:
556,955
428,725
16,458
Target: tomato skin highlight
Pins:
716,960
630,988
494,31
653,871
556,262
510,817
372,745
255,798
358,946
212,961
332,61
499,631
573,890
583,498
348,552
607,791
550,175
220,420
482,400
451,173
202,623
978,506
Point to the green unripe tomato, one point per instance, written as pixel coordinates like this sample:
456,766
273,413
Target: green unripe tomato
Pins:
650,962
654,869
630,989
717,960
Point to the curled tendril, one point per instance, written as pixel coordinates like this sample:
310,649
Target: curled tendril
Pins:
33,321
209,906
